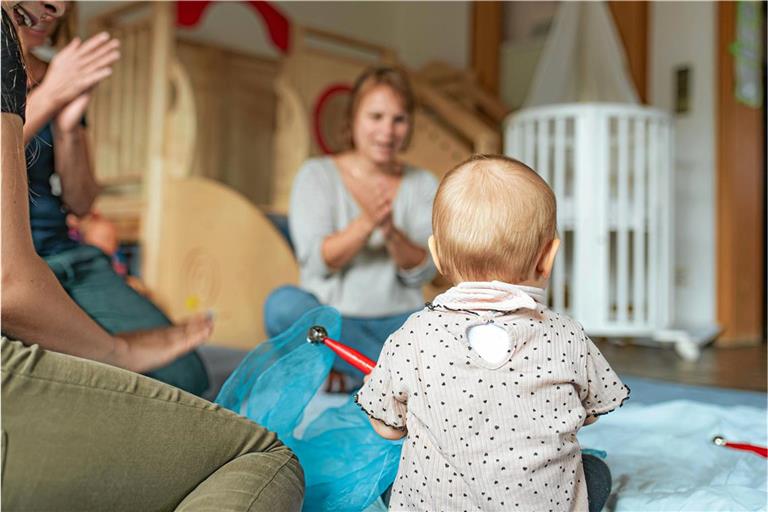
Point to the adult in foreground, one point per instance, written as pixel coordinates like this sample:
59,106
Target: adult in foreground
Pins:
82,435
62,181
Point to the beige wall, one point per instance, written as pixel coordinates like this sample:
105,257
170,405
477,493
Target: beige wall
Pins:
419,31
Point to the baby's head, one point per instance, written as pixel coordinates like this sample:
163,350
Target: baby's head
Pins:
494,218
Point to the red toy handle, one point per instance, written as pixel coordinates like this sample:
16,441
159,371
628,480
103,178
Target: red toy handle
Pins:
760,450
351,356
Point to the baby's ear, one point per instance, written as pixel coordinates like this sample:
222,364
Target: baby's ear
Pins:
547,259
433,252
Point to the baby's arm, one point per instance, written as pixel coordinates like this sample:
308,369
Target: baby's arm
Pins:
602,390
381,428
385,431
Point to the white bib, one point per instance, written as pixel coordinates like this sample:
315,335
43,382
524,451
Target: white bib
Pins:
490,342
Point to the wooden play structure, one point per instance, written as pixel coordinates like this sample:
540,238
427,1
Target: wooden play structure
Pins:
204,245
193,144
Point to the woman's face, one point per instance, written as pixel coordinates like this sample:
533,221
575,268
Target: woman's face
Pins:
35,20
380,125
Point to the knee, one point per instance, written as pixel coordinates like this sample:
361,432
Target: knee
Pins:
283,294
284,306
258,481
284,488
599,481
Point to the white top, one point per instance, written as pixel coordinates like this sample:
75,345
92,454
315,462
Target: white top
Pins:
371,285
487,436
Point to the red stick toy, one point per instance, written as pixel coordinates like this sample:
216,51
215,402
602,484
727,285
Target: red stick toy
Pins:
318,334
760,450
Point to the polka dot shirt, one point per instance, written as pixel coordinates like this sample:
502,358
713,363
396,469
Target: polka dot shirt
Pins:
485,436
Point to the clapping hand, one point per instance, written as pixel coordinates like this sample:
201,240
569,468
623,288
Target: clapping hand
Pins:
376,203
73,73
378,210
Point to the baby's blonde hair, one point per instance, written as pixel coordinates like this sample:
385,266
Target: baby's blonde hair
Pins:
491,220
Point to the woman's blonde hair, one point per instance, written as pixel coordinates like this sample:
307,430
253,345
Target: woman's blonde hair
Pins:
395,79
492,218
66,29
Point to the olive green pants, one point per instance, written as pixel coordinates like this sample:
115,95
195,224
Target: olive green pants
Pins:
79,435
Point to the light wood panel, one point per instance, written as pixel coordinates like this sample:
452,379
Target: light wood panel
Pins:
235,107
155,177
631,20
219,253
119,114
740,200
487,34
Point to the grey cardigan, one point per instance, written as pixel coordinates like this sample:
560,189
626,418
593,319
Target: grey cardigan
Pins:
371,285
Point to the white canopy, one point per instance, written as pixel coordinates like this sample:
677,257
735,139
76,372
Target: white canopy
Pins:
583,60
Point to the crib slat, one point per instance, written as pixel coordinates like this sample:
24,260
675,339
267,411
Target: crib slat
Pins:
654,235
622,205
601,198
591,230
638,224
529,157
513,143
558,182
667,241
542,150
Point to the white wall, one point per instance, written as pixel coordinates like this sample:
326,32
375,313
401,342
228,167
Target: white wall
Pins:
524,21
684,33
418,31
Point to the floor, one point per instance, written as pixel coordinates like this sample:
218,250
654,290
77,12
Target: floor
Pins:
736,368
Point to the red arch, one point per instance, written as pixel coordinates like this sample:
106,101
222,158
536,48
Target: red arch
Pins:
190,12
329,92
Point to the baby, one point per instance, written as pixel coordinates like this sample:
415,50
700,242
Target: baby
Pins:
488,384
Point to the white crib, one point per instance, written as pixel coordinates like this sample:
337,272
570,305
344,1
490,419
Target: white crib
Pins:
610,166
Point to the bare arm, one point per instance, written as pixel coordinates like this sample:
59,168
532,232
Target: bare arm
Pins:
72,161
393,434
35,308
342,246
63,97
41,108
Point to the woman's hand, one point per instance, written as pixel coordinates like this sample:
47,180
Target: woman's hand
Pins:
378,211
69,117
142,351
375,200
77,68
65,90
